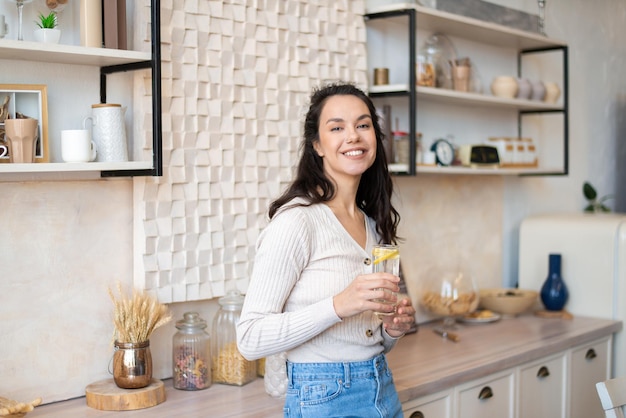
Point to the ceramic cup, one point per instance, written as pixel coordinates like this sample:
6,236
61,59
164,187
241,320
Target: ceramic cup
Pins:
77,146
22,136
504,86
430,158
460,77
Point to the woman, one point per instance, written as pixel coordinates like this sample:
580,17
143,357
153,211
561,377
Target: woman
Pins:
312,286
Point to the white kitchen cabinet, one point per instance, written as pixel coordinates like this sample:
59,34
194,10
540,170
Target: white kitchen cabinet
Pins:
589,364
393,39
93,61
560,385
438,405
493,396
542,388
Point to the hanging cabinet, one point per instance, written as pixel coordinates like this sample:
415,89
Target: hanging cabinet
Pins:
109,62
394,36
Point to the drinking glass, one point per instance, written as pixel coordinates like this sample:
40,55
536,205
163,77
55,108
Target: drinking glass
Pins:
386,258
20,7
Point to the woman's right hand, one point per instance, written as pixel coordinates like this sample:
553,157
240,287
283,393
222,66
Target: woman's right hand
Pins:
358,296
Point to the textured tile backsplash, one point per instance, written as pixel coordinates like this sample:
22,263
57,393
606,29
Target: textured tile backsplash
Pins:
236,80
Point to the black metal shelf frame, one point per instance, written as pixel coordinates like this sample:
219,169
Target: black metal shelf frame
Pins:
157,121
564,110
412,93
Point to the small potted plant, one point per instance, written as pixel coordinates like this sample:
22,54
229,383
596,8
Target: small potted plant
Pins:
594,203
47,30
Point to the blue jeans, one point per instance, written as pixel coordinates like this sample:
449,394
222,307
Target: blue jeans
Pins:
362,389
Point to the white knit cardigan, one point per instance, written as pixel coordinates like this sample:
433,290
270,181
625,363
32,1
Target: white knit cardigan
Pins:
305,257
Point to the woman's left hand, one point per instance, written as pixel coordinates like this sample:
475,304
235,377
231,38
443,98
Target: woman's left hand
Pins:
398,324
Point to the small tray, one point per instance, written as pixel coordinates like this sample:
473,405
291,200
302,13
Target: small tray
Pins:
470,319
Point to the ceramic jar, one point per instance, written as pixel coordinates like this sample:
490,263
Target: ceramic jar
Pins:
553,92
504,86
109,131
524,89
539,91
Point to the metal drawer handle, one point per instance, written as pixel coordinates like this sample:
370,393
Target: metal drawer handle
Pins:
485,393
543,372
591,354
417,414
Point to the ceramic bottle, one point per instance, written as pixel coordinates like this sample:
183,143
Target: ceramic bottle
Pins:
554,292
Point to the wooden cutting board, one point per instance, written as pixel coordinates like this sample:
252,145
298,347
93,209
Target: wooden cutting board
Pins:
106,396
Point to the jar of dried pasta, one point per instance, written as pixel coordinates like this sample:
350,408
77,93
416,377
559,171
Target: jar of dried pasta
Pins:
191,353
229,366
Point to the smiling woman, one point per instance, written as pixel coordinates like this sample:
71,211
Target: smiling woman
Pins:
347,140
313,293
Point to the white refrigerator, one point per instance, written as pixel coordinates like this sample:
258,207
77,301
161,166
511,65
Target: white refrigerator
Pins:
593,266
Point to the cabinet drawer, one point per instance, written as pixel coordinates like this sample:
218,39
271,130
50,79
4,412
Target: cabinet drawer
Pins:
542,388
438,405
492,396
589,364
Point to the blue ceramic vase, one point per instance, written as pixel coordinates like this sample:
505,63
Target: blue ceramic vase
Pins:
554,292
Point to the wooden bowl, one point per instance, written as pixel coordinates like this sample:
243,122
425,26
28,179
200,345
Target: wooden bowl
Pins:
507,301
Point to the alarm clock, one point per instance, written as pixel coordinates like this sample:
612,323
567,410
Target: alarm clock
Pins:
444,152
479,156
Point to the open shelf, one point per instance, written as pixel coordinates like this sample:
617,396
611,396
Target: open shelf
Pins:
460,170
455,97
68,54
68,171
451,24
109,61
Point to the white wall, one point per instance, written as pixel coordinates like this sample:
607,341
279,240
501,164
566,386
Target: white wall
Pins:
594,32
63,243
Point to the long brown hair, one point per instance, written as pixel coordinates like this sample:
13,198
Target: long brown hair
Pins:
311,183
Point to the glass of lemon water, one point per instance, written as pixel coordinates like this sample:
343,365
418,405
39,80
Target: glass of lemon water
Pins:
386,258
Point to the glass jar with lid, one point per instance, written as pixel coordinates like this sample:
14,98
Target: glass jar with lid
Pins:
191,353
229,366
433,62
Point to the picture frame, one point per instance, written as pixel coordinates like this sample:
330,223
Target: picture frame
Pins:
29,100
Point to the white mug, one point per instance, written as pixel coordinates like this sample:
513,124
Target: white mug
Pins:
430,158
77,146
4,152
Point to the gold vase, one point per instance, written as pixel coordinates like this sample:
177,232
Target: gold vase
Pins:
132,365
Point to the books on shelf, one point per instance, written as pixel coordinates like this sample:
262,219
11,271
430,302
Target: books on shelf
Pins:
114,24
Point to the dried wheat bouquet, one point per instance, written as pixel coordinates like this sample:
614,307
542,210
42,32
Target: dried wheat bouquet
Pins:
136,316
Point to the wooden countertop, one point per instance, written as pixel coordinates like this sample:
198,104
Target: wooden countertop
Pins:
422,363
